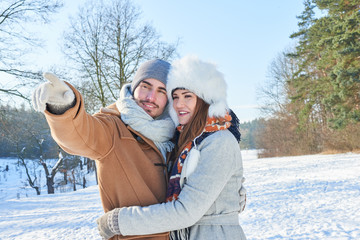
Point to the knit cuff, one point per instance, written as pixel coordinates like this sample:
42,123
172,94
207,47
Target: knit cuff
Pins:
59,109
113,221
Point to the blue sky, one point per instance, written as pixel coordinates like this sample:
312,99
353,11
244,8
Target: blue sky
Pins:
241,37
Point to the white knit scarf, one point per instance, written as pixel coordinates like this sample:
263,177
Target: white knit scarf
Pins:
159,130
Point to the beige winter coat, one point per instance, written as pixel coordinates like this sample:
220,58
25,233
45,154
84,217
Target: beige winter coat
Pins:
130,167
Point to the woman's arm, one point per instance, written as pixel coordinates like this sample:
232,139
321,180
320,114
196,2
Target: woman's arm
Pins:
218,155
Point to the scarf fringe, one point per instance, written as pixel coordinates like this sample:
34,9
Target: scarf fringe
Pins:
235,126
182,234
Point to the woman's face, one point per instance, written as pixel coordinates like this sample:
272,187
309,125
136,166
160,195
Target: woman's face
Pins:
184,104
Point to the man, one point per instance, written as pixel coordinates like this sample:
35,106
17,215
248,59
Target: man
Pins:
128,140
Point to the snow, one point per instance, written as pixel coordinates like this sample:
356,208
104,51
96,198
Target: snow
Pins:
302,197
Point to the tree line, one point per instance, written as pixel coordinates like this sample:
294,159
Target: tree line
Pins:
311,101
312,97
26,137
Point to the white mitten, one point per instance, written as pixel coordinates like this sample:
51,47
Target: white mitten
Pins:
55,92
242,193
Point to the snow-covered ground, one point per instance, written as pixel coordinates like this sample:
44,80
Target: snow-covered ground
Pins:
304,197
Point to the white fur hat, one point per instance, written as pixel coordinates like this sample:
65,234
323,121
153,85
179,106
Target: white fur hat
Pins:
201,78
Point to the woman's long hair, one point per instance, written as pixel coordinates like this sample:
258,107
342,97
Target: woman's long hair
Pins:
194,127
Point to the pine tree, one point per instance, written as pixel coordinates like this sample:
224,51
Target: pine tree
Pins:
327,83
344,42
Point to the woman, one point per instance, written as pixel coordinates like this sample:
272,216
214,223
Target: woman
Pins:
205,166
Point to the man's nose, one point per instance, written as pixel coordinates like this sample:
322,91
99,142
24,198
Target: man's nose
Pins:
151,96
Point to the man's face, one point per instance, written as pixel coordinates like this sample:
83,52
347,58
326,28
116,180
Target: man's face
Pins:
150,95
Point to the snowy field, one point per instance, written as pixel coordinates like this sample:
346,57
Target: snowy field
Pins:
305,197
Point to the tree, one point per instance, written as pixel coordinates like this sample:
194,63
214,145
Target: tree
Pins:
107,43
21,128
274,95
16,40
248,133
283,133
343,41
32,180
327,82
306,82
50,175
316,105
68,165
26,135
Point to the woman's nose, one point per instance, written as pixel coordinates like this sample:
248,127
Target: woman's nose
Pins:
178,103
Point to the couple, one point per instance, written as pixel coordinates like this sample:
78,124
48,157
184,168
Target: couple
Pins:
194,194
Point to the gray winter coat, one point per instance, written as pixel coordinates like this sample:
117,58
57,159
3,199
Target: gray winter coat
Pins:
208,202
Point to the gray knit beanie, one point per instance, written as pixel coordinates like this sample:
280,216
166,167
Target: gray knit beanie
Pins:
157,69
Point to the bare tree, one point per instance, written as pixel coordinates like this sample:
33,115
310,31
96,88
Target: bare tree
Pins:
71,164
282,133
31,178
107,43
274,94
16,40
28,132
49,172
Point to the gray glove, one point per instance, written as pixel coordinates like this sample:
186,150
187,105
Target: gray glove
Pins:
108,224
54,93
242,193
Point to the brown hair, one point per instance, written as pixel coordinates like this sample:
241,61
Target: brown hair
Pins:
194,127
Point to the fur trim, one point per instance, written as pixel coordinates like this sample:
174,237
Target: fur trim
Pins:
201,78
172,112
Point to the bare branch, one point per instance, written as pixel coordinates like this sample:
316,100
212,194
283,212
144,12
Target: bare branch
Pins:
107,43
16,40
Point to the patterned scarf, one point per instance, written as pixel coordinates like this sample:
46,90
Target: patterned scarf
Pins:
212,125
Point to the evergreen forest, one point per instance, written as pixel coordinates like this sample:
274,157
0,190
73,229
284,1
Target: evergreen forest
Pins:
311,102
